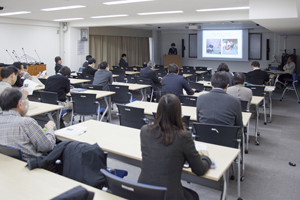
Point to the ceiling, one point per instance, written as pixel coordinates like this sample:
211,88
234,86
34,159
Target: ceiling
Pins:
267,13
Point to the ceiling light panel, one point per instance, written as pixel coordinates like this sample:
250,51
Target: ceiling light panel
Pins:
67,19
124,2
109,16
63,8
161,13
222,9
15,13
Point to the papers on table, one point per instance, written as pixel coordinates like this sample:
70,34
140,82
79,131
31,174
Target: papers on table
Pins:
73,130
200,147
43,73
31,84
76,90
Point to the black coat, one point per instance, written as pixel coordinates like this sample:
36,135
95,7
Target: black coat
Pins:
57,67
59,84
88,71
123,63
173,83
148,73
258,75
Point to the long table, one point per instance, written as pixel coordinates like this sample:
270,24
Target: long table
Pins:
125,142
134,86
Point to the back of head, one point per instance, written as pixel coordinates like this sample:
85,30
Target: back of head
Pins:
223,67
25,66
173,68
103,65
219,80
88,57
65,71
151,64
238,78
57,58
7,71
255,64
18,65
173,45
91,61
10,98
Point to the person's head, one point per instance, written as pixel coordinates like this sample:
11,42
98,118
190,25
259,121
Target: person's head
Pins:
91,62
9,74
223,68
19,66
255,65
103,65
13,99
58,60
173,68
151,64
124,56
168,119
239,78
65,71
25,67
88,57
290,59
173,45
220,80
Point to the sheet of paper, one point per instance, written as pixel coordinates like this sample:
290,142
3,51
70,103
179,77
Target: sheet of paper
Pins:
201,147
29,86
73,130
44,73
37,81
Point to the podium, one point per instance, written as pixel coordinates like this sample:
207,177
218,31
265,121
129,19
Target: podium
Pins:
169,59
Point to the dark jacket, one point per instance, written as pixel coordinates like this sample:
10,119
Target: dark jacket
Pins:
123,63
103,78
80,161
59,84
258,75
19,81
173,83
162,165
172,51
88,71
218,107
57,67
148,73
76,193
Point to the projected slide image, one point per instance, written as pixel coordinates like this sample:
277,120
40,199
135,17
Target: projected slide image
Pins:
213,46
230,46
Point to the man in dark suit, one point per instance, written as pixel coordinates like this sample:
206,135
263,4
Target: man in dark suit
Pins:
58,65
257,76
86,62
89,70
218,107
149,73
20,67
123,62
174,83
103,77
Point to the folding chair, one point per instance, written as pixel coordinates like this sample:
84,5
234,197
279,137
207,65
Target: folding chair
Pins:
149,90
131,116
121,77
131,79
122,94
290,84
88,77
11,152
198,86
188,100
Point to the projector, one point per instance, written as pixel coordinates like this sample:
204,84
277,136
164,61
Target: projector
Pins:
193,27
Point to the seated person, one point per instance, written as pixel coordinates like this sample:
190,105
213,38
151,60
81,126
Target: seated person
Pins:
149,73
218,107
89,70
60,84
224,68
172,50
86,62
238,90
103,77
26,74
23,132
20,67
174,83
58,65
165,146
259,76
288,69
9,76
123,62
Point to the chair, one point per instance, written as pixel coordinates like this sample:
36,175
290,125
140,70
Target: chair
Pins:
132,190
84,105
160,67
244,105
207,77
290,84
117,68
88,77
161,74
11,152
121,77
255,81
79,76
131,116
128,68
157,95
92,87
188,71
131,79
122,94
80,69
188,67
188,100
43,80
185,120
149,90
198,86
199,68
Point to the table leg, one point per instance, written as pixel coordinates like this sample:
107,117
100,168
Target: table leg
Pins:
265,112
224,192
247,138
256,125
239,175
271,107
106,110
109,108
57,118
144,94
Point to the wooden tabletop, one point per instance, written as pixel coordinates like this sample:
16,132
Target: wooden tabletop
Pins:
18,182
201,72
77,81
39,87
99,93
205,83
115,75
37,108
132,86
275,72
131,72
125,141
256,100
187,75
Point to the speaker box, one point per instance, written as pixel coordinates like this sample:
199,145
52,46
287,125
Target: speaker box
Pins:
182,47
268,49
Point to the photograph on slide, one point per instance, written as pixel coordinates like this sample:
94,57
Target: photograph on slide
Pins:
230,46
213,46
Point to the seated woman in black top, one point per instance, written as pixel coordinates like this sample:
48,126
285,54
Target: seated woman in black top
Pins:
165,146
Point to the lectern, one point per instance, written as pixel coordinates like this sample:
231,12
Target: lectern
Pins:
169,59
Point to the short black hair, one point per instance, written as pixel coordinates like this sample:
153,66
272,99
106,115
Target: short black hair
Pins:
103,65
255,64
238,78
173,68
57,58
25,65
65,71
10,98
18,65
173,44
292,58
91,61
219,80
88,57
223,67
123,55
7,71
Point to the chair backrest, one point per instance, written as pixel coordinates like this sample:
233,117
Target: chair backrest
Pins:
11,152
131,117
244,105
197,86
207,77
118,68
160,73
88,77
43,80
84,104
255,81
121,76
185,119
199,68
131,79
92,87
187,67
79,75
49,97
132,190
128,68
159,66
80,69
257,90
157,95
121,94
188,101
217,134
145,81
188,71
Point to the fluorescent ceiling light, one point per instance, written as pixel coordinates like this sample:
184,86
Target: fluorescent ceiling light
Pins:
63,8
109,16
124,1
14,13
221,9
161,13
67,19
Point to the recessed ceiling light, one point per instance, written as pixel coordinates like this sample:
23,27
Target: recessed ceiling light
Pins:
67,19
221,9
63,8
161,13
15,13
109,16
124,1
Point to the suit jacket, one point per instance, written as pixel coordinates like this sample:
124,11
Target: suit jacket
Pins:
85,64
218,107
148,73
162,165
240,92
123,63
230,76
57,67
173,83
258,74
88,71
103,78
60,84
172,51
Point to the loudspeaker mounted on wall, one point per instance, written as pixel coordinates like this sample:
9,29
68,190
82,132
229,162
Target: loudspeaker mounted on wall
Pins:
182,47
268,49
84,34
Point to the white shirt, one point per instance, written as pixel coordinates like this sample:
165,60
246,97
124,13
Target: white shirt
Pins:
289,67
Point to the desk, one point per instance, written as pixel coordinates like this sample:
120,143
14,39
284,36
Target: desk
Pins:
205,83
125,142
39,87
131,72
114,77
74,81
256,101
37,108
18,182
133,86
